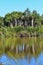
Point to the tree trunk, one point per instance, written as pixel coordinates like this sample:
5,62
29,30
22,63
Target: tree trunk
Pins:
32,23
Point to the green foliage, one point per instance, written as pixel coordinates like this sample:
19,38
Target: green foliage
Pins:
18,29
8,17
16,14
27,12
1,21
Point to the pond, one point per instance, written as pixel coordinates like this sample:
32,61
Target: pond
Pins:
5,60
8,55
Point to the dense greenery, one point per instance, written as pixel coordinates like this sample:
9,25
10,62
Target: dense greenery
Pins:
11,32
10,17
6,29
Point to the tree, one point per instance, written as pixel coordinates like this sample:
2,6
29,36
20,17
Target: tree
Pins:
27,12
16,14
41,18
1,21
35,14
8,17
36,17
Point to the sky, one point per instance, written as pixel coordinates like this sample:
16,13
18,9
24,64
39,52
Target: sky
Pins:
7,6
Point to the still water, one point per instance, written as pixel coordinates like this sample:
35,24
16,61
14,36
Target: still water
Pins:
4,59
26,60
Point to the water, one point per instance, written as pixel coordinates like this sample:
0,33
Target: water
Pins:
27,60
4,59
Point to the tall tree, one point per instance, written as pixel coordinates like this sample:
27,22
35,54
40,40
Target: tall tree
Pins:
27,12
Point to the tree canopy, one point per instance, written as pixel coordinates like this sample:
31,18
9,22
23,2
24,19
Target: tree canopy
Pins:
10,17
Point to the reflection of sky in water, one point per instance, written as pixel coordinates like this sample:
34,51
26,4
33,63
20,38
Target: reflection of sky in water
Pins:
22,61
32,61
40,59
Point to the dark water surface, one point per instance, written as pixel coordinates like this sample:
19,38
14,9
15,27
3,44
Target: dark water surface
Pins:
4,59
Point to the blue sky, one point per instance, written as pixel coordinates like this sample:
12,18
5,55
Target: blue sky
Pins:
7,6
